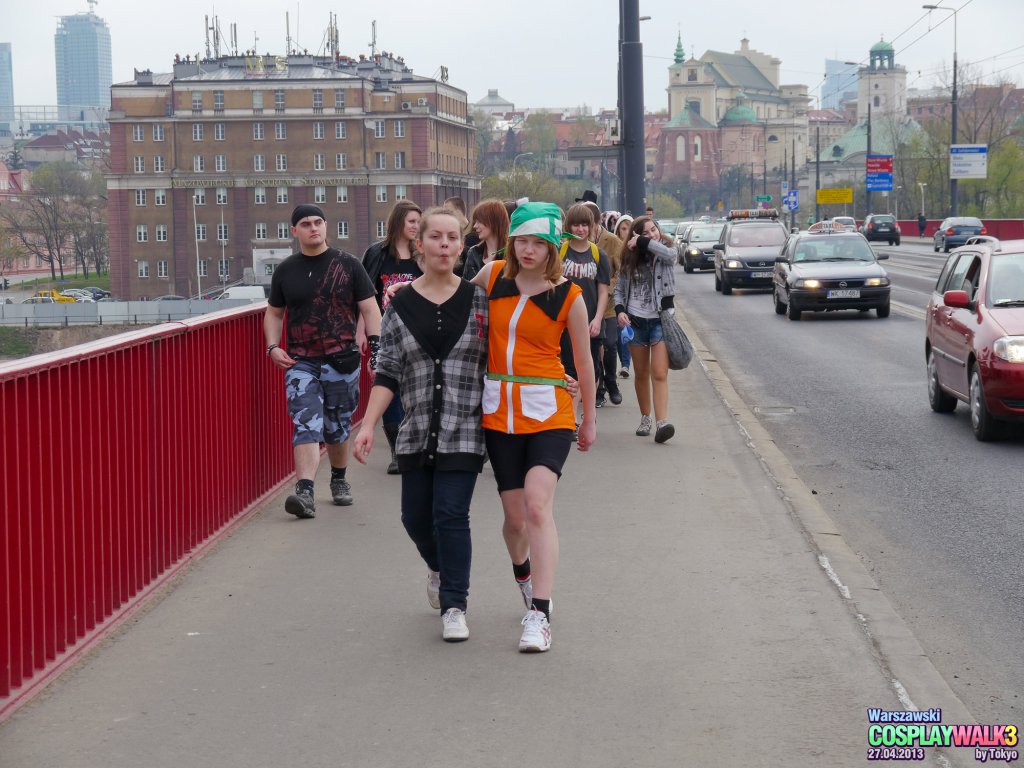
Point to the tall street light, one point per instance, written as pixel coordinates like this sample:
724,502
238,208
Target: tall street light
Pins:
514,159
952,182
922,185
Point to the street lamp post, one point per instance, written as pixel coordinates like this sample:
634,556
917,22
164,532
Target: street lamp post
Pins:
514,159
922,185
953,207
896,204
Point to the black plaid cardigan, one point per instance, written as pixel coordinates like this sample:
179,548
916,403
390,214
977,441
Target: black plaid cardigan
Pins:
441,389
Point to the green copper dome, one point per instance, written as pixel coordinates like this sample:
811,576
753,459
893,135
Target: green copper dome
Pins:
882,47
741,113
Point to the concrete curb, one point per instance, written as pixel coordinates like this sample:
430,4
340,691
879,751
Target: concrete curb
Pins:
913,677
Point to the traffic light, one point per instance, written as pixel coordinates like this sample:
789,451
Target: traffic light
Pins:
7,283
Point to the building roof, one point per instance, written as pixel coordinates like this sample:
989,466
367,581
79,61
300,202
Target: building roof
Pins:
687,118
492,99
855,142
737,70
882,47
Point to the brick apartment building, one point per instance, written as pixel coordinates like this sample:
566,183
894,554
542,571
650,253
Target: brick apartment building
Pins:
207,162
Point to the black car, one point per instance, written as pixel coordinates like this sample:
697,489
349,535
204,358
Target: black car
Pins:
955,231
881,226
826,271
746,250
698,251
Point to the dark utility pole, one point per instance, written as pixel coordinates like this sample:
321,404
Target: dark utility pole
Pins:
792,185
817,171
632,107
867,188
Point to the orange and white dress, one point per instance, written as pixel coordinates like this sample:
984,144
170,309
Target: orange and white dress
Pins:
524,389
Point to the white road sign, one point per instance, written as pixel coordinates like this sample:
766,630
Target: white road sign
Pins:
968,161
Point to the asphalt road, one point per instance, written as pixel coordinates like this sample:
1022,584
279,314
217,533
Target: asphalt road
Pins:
933,513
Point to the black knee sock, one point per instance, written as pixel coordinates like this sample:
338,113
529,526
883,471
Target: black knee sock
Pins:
522,572
543,605
338,473
304,485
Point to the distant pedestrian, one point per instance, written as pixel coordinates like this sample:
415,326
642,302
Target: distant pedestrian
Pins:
325,293
490,223
434,353
922,224
586,265
622,226
646,286
393,260
607,378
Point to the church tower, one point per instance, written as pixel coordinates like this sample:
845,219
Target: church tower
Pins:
883,84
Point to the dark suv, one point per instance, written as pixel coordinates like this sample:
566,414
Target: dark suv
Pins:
881,226
746,250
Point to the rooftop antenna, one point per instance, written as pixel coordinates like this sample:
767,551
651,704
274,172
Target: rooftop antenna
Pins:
287,34
373,42
92,5
206,31
234,39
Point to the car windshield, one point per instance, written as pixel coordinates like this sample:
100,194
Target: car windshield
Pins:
1006,280
833,249
964,221
705,233
752,235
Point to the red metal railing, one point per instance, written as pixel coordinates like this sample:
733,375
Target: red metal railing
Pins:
119,460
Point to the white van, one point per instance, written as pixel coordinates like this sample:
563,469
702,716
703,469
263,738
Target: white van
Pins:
247,292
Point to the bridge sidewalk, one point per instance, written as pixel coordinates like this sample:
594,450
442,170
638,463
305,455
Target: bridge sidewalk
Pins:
694,627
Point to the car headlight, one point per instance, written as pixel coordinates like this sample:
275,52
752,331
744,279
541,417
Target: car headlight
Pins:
811,283
733,264
694,252
875,282
1010,349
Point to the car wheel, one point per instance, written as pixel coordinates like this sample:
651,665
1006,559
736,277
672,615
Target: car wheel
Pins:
935,246
897,242
984,426
945,246
883,310
726,288
938,399
687,269
890,243
780,307
793,313
718,281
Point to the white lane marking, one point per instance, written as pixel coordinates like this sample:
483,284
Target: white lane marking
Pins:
833,576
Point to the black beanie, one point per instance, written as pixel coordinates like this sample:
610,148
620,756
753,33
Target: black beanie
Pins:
302,211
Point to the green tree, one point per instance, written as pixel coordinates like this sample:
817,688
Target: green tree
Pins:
486,134
666,206
538,136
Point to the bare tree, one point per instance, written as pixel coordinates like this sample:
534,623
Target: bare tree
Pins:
41,220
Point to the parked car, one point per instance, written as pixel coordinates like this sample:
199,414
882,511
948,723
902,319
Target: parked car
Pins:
826,271
39,300
682,234
170,297
698,252
881,226
97,293
51,294
954,232
746,250
78,294
848,222
974,336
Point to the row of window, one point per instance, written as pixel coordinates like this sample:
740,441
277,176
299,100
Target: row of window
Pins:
260,195
279,98
283,231
258,131
259,162
223,269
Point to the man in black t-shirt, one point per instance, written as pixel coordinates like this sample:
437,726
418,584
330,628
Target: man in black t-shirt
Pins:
325,291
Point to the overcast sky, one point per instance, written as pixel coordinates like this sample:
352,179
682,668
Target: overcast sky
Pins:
538,54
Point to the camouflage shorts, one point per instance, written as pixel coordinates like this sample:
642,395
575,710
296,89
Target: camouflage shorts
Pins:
321,401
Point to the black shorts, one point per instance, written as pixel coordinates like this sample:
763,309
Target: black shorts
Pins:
512,456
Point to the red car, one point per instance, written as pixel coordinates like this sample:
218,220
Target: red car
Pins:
975,335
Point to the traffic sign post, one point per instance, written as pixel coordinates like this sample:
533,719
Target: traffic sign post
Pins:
793,200
764,198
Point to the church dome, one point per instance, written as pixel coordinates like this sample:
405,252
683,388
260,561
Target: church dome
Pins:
882,47
741,113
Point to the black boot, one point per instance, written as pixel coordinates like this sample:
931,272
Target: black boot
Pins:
391,433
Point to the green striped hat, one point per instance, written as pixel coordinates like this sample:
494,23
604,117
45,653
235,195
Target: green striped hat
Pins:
544,220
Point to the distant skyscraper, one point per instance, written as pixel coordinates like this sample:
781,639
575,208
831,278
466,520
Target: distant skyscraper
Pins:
6,87
840,83
84,73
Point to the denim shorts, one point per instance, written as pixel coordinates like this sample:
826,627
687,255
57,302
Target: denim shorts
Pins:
321,401
646,331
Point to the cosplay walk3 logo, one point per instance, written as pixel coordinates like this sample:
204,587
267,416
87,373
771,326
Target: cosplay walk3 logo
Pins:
906,734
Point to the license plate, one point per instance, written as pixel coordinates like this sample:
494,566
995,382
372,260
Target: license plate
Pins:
845,294
883,227
760,275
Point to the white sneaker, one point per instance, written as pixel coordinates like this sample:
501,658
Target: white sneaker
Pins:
454,623
526,587
434,589
536,633
645,426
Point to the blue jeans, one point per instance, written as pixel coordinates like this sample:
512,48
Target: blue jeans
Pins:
646,331
435,513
